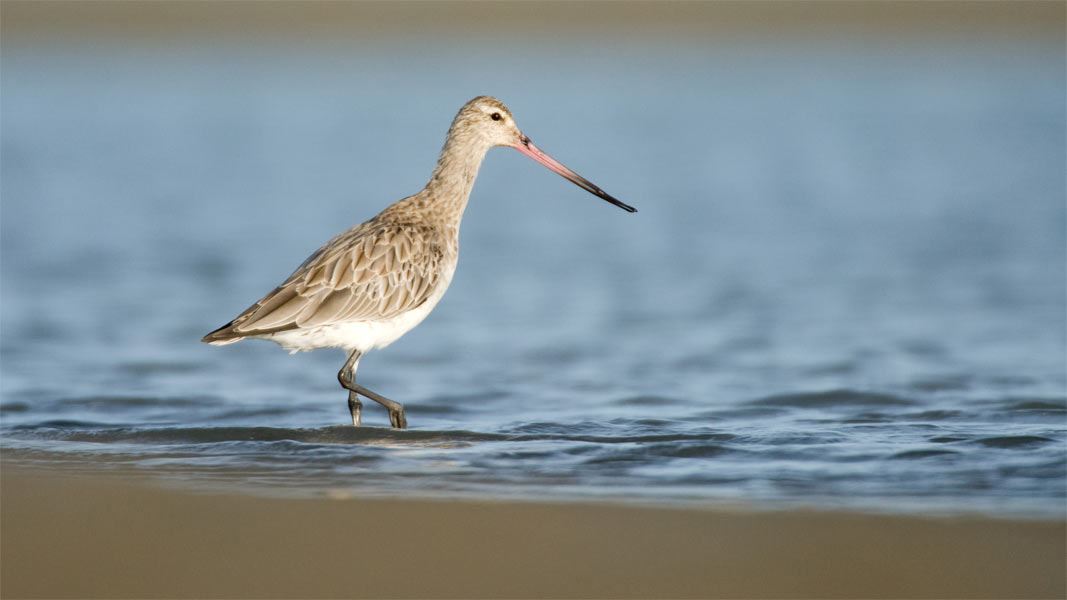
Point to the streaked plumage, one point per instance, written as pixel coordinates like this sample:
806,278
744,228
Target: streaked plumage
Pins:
371,284
373,272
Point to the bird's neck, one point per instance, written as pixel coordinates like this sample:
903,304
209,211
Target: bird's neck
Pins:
453,177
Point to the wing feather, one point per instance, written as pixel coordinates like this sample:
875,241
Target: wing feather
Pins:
372,272
273,315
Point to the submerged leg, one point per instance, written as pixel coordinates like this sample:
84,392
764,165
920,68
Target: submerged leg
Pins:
347,377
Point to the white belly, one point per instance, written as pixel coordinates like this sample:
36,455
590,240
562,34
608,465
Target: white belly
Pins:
360,335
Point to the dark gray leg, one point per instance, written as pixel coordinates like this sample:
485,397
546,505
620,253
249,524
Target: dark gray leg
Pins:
396,410
347,377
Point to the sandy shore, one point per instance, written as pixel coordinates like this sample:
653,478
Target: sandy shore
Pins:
65,535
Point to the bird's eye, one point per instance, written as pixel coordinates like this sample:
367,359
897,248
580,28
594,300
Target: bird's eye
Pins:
495,116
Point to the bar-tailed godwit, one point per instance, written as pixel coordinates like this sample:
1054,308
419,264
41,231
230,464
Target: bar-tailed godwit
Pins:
373,283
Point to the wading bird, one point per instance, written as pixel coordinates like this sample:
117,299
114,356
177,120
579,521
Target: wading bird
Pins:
373,283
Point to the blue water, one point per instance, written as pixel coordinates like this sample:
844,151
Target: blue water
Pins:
845,286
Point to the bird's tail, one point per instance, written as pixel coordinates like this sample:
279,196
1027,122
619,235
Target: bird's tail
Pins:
222,336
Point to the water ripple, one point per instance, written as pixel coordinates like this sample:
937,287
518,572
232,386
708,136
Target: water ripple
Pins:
832,399
1015,441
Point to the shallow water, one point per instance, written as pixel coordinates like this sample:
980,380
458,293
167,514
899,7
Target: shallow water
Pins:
845,286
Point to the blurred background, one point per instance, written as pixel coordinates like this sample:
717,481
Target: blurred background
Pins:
845,284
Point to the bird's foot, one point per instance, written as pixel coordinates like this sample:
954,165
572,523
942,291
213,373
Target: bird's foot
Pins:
355,408
397,418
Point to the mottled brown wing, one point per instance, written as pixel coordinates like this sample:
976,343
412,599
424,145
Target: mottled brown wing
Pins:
369,273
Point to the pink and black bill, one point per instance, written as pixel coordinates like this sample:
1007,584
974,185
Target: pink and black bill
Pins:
529,149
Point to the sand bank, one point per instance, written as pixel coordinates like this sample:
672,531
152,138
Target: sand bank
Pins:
108,536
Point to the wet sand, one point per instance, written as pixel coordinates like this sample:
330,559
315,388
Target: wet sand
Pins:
78,535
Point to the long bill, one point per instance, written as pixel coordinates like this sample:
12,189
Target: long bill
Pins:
527,147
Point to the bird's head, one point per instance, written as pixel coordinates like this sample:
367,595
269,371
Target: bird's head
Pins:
487,122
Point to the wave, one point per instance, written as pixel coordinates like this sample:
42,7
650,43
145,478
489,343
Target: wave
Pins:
919,454
652,453
647,400
832,398
1036,405
133,402
1014,441
76,431
92,432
